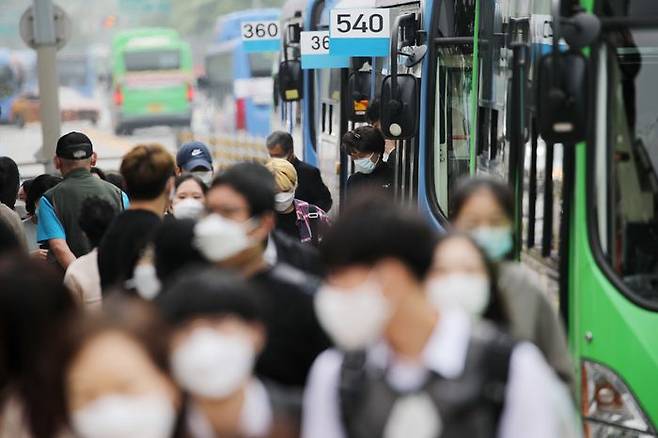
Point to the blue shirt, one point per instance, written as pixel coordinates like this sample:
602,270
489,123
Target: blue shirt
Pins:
48,224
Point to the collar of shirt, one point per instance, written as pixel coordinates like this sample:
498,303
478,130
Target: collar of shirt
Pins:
444,354
78,173
255,416
270,255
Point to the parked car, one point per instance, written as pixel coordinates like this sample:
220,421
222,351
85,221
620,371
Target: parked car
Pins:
73,106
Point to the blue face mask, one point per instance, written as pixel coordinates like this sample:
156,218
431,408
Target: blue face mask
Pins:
495,241
365,165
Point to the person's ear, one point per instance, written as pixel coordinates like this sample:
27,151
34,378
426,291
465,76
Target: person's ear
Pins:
94,157
179,171
58,163
258,336
171,184
266,223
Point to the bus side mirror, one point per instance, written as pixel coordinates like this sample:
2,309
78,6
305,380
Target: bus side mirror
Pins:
400,107
358,90
291,88
562,97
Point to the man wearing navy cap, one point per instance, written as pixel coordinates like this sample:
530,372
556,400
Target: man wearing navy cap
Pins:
59,208
195,158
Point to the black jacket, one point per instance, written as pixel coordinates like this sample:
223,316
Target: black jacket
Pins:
381,179
310,187
298,255
294,335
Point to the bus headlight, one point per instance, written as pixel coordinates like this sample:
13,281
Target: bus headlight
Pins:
608,406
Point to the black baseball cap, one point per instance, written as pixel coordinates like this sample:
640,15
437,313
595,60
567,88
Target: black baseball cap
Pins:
193,155
74,146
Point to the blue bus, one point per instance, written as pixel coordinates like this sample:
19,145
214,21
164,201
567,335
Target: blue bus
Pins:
10,85
240,84
289,116
324,121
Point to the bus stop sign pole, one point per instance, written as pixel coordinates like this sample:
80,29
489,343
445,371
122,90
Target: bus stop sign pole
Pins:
43,27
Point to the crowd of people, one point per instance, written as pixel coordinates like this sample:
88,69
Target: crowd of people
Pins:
172,299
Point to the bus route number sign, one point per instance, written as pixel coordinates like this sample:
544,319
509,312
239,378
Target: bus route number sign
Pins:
315,52
260,36
360,32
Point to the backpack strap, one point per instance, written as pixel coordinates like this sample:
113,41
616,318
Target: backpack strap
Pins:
352,379
314,218
498,351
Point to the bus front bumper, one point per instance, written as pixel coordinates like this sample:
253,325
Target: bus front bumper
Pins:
144,121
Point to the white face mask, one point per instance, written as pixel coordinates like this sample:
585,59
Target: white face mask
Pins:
205,176
354,318
188,208
219,238
365,165
469,293
126,416
283,201
211,364
145,281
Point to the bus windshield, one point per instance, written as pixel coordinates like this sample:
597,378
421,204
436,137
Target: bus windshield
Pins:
72,72
261,64
152,60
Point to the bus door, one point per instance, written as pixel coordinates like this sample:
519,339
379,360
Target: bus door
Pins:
451,56
324,120
290,116
405,156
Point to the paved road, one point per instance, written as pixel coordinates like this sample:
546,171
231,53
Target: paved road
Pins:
23,144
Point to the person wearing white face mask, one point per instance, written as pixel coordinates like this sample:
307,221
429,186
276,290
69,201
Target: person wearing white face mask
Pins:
233,237
408,369
296,218
189,200
365,145
113,370
484,208
462,278
218,333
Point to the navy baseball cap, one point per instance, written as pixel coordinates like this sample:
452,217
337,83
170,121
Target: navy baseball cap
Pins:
74,146
192,155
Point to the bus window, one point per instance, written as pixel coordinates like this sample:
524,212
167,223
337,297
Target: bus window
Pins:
152,60
628,223
451,123
72,72
261,64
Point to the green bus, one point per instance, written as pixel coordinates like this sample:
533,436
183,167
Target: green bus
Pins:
477,91
152,80
577,139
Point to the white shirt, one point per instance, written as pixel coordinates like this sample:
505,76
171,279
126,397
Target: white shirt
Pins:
255,416
537,403
84,281
270,255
